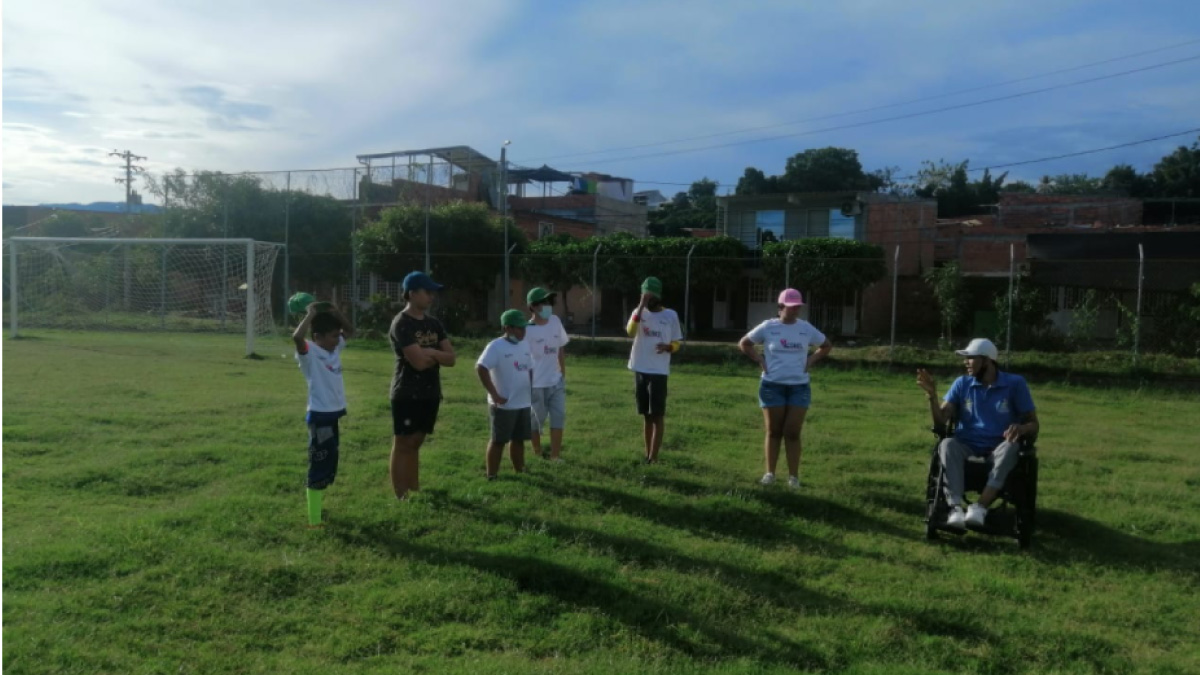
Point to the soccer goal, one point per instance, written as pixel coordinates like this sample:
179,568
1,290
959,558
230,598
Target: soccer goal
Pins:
214,285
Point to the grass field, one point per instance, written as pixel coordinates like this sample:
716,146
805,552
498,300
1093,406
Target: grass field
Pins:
154,522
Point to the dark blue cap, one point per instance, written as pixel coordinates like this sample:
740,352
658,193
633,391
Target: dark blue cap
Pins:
415,281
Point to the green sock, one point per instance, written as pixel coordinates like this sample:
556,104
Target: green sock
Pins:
314,506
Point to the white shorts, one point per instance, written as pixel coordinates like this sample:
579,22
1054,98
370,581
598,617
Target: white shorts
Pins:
550,404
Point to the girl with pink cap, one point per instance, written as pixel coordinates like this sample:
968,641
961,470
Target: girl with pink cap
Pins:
784,393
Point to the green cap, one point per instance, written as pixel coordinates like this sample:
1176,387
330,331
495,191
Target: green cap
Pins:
652,285
514,318
538,294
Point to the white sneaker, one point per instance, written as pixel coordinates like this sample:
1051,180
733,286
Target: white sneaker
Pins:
794,482
767,479
957,518
976,515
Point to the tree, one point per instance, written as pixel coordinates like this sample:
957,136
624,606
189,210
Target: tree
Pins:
1019,186
1124,179
824,264
558,262
755,182
956,195
948,288
1070,184
1178,174
826,170
465,240
694,209
816,170
215,205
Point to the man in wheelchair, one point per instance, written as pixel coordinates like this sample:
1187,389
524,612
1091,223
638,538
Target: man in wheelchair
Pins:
993,413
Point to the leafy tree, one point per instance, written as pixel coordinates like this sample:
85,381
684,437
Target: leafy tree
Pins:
948,288
1031,307
1070,184
955,193
755,182
558,262
694,209
1178,174
211,204
1124,179
465,240
826,170
816,170
824,264
1019,186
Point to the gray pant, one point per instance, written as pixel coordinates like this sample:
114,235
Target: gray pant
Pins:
954,454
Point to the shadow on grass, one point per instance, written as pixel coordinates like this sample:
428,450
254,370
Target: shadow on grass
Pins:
1067,537
726,517
672,625
1062,537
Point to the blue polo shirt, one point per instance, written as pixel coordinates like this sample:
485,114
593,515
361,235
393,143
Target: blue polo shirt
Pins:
985,412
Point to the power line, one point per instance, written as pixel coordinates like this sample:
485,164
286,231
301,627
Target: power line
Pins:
894,118
1075,154
874,108
130,169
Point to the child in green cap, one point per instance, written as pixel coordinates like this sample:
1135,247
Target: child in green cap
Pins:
505,369
547,343
656,335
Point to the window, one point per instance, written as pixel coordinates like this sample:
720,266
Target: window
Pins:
545,229
841,227
769,226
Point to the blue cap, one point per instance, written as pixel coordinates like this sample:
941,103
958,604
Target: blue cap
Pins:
416,281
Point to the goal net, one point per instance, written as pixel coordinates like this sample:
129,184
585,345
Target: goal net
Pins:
215,285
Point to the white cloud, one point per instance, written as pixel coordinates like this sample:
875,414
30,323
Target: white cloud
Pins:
273,85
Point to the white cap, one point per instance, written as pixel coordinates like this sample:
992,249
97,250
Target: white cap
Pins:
980,347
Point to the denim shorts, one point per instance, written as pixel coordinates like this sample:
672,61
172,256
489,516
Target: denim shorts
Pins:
550,405
775,395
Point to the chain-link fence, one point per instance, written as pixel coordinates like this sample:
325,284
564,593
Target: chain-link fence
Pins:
1057,298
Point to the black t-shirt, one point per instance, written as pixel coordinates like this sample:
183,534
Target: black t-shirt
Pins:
408,383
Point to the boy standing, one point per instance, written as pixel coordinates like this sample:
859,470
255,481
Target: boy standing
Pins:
656,335
547,341
422,347
505,369
320,361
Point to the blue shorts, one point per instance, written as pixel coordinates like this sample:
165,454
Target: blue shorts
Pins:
323,450
775,395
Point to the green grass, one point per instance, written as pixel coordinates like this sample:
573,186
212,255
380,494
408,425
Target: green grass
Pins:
154,512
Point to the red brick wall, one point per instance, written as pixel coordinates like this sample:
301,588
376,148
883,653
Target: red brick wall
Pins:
1026,210
909,224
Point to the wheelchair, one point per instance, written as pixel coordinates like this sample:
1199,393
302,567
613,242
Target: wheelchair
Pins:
1012,514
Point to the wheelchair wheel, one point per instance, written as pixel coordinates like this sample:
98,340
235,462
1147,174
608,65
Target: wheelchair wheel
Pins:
933,497
1027,506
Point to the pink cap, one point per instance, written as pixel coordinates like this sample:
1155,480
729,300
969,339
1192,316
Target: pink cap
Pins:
791,297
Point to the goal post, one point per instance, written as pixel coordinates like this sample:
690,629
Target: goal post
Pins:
183,285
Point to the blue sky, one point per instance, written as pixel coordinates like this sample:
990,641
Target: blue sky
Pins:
309,84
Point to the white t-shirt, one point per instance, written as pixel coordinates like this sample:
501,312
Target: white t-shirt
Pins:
323,372
545,343
655,327
509,365
785,347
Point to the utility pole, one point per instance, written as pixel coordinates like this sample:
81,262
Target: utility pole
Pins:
130,168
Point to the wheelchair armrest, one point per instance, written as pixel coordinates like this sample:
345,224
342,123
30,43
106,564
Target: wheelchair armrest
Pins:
1029,447
942,430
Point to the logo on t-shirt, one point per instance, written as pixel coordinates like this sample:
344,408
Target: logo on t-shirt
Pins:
790,346
426,338
1002,406
651,333
520,367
